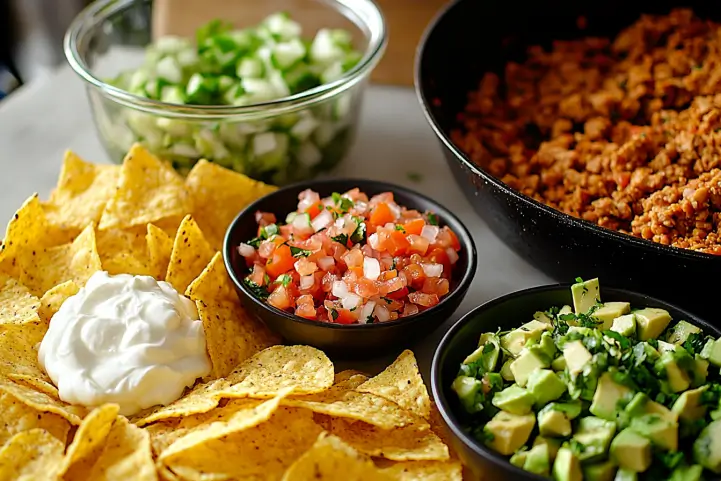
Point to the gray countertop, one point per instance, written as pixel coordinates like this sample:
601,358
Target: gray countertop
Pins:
45,118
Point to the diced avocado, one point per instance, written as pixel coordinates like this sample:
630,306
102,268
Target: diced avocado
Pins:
712,352
585,295
688,405
626,475
707,447
489,349
699,372
604,471
678,379
610,311
687,473
542,317
467,389
660,431
525,364
506,372
625,325
680,332
553,445
545,345
516,340
641,404
519,458
508,432
535,326
567,466
595,435
664,347
566,310
553,423
546,386
559,364
514,399
644,349
651,322
538,460
576,356
607,396
631,451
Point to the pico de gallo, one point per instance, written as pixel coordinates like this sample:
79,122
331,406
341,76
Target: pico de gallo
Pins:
351,259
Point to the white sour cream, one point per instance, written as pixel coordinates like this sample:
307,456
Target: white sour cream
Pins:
124,339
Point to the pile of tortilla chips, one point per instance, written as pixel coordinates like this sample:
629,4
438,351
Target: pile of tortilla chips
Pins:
266,411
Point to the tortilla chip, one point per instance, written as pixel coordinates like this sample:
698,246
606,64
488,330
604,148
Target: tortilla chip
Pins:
231,335
212,283
402,444
219,194
89,437
39,383
124,251
228,421
17,304
42,402
349,379
160,245
49,267
18,353
16,417
190,255
261,452
401,382
52,300
31,455
25,231
425,471
163,434
147,190
126,455
201,399
305,369
82,192
331,458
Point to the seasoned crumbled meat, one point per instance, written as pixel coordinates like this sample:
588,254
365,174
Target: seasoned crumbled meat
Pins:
625,133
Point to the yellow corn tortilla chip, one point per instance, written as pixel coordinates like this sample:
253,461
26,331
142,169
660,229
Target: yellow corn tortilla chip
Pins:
89,437
201,399
25,231
40,383
402,444
305,369
401,382
262,452
49,267
219,425
147,190
349,379
18,353
163,434
17,304
16,417
425,471
190,255
126,455
231,335
52,300
31,455
124,251
330,459
42,402
81,194
219,194
212,283
160,245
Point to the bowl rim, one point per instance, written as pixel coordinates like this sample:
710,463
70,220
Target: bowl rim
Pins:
464,236
437,390
366,15
460,156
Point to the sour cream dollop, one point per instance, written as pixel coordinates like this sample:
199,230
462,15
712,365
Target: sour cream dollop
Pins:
124,339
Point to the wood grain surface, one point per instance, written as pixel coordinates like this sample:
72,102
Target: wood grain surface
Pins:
406,20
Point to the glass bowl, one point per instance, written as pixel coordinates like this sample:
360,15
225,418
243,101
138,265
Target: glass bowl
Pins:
109,37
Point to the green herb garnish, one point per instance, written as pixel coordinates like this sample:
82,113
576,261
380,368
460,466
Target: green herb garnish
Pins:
258,291
432,218
341,239
298,252
284,280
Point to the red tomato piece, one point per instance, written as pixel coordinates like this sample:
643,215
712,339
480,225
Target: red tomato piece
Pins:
281,262
280,298
305,307
381,214
423,299
414,226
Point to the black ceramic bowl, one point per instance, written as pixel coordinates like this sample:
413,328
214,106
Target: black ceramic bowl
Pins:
506,312
469,38
354,340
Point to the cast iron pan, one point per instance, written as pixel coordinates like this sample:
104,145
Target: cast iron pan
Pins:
471,37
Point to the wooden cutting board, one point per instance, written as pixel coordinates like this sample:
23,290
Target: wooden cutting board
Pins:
406,20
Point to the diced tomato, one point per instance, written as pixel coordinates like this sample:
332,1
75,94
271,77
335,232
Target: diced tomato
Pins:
305,307
258,275
436,285
399,294
414,226
366,288
423,299
264,218
455,243
381,215
280,298
439,256
414,275
314,209
418,244
281,262
353,258
286,231
344,316
304,267
388,275
409,309
398,244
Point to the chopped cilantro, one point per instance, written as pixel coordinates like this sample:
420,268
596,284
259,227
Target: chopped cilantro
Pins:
254,242
268,231
400,228
298,252
694,343
432,218
336,197
343,203
334,314
622,340
388,301
341,239
258,291
370,319
284,280
579,280
414,176
359,234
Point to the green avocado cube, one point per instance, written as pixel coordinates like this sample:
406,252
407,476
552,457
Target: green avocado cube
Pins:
651,322
514,399
546,386
538,460
567,467
576,356
712,352
519,458
508,432
626,475
525,364
559,364
631,451
625,325
506,372
679,333
610,311
678,378
609,393
552,443
707,447
602,471
585,295
553,423
467,389
688,406
595,435
660,431
687,473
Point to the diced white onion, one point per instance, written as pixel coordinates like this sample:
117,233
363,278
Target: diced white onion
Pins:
395,209
307,198
322,220
340,289
245,250
325,263
381,312
430,232
301,224
432,270
350,301
374,241
452,255
306,282
339,223
390,225
366,312
372,268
